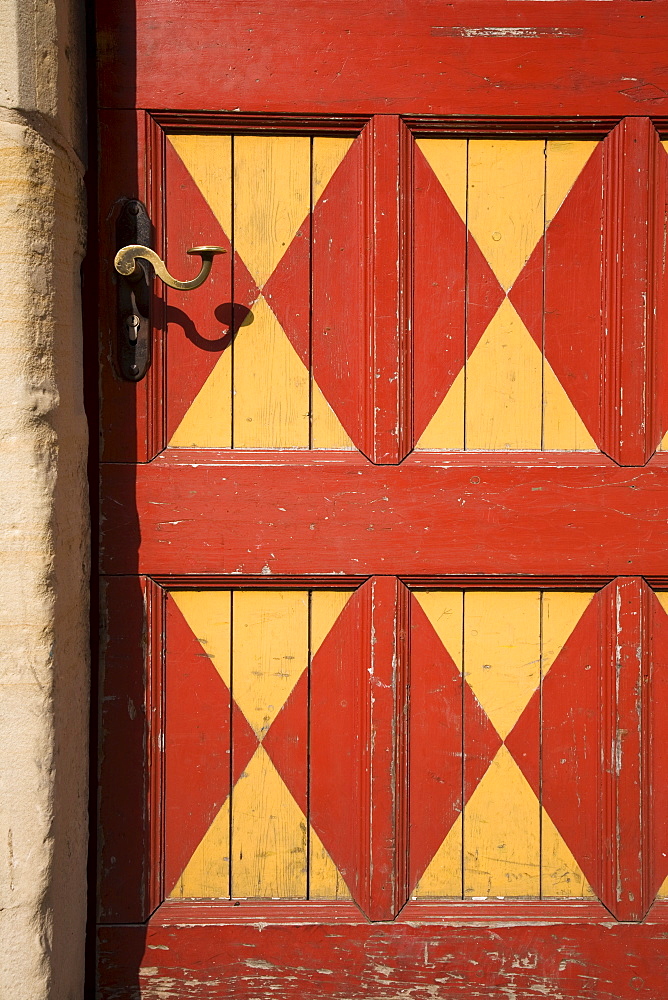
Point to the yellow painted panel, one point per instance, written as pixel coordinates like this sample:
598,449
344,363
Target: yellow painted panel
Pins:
208,615
325,879
270,651
502,834
268,835
562,610
447,158
664,443
506,184
445,430
443,876
502,652
208,160
663,599
327,431
272,197
565,160
445,611
504,387
563,428
207,422
326,606
271,386
561,875
207,874
663,891
328,152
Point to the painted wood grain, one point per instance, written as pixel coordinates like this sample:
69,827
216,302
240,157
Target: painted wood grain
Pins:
272,191
268,830
505,193
355,960
287,68
198,743
466,517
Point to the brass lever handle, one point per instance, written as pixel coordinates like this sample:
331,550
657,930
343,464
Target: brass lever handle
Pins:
126,264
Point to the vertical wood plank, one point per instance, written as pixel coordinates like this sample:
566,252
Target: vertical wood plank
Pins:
269,655
198,171
561,876
563,427
506,206
657,749
197,743
272,198
340,336
439,292
436,744
502,814
327,431
504,371
504,387
325,879
502,652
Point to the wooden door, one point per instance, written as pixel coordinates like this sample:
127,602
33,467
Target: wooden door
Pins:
384,667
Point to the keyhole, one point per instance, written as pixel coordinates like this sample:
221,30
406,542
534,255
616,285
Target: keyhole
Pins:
132,325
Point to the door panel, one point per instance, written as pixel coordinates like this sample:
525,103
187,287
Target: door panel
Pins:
384,673
259,376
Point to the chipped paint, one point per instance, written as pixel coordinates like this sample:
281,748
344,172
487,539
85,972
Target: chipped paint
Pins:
508,32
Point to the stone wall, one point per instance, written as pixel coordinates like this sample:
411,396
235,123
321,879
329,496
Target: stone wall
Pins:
43,504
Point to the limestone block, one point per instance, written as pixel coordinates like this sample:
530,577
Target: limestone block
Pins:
43,571
42,64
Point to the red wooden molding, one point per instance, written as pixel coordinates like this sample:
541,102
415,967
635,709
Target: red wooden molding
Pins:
626,606
174,912
388,150
634,221
358,803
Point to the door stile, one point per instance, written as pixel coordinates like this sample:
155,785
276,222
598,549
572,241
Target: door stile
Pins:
132,413
130,755
634,218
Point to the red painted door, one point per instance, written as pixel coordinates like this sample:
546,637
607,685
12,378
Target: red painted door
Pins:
384,668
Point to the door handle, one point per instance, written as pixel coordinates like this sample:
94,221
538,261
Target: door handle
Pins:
133,291
126,264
